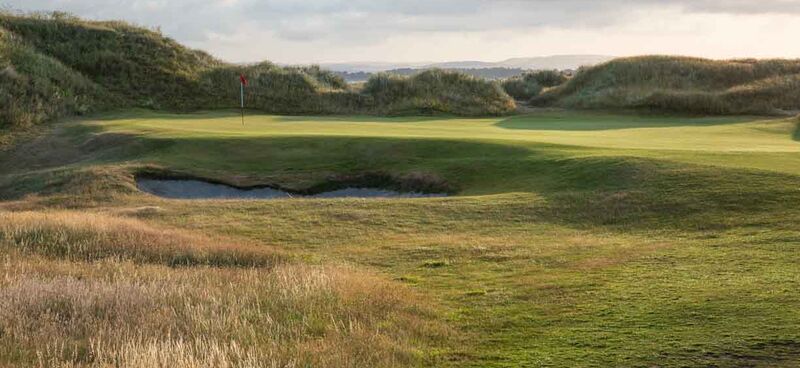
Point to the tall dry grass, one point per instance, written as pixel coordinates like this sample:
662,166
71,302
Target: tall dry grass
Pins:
90,237
153,316
133,310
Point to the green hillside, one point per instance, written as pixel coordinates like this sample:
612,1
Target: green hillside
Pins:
36,87
72,66
682,84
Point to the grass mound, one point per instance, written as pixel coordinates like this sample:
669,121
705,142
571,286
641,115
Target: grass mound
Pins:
682,84
90,237
275,89
529,85
135,64
36,87
438,91
54,64
139,67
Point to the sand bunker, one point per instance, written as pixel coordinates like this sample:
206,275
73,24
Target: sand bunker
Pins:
197,189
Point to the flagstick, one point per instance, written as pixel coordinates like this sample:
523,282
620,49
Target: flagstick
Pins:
242,94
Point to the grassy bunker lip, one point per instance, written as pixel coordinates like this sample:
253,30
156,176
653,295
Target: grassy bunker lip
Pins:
365,185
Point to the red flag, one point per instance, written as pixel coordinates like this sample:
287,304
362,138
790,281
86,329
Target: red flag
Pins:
243,79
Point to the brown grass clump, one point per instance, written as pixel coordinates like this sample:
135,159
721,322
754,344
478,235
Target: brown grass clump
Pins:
94,290
90,237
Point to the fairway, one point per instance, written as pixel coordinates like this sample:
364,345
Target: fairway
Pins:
572,239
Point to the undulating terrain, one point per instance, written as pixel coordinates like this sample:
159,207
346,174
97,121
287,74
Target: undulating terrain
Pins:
571,239
55,65
644,215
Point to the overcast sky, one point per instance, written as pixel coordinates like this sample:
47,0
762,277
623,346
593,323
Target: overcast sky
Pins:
314,31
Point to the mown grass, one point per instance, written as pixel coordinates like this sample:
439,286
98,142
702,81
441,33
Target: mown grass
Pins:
276,146
577,239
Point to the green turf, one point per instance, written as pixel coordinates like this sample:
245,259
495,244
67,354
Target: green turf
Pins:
577,239
739,142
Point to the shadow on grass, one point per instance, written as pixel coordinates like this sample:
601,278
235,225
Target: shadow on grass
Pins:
796,134
591,191
589,121
250,115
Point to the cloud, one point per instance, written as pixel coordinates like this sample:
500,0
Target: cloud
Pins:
744,6
360,24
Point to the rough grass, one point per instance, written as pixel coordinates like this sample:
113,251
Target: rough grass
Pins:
37,88
687,85
438,91
128,308
53,65
530,84
90,237
117,314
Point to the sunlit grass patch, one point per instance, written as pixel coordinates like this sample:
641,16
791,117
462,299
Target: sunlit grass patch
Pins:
90,237
58,313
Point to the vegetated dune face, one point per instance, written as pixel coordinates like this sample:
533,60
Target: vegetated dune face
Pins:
438,90
35,87
92,290
58,65
682,84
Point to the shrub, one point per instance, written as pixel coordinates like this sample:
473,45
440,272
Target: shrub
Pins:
522,88
437,91
548,78
531,84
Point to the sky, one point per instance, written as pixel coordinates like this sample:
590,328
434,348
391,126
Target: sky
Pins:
319,31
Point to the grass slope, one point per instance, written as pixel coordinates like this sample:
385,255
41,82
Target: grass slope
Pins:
37,87
54,65
682,84
578,239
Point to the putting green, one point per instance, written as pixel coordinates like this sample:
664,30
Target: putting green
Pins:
744,142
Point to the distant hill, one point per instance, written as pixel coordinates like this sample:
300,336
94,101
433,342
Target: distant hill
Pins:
484,73
683,84
560,62
369,67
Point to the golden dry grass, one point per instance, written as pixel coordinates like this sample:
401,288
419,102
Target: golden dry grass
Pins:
88,237
129,308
